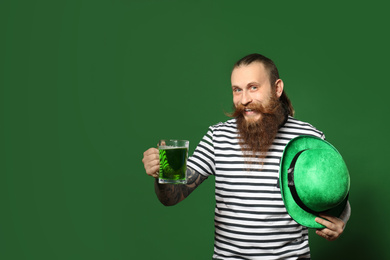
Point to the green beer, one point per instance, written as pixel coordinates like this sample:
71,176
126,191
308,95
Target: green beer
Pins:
173,164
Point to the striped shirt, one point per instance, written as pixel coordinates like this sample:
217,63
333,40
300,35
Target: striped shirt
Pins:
251,221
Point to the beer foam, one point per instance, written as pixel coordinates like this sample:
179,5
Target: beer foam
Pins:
169,147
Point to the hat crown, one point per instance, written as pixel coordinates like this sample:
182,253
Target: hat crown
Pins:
313,178
321,179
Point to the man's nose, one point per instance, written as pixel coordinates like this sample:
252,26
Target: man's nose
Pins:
246,98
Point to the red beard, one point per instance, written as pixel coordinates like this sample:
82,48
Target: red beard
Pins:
256,137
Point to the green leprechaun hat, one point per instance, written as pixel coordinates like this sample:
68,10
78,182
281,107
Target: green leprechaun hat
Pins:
313,179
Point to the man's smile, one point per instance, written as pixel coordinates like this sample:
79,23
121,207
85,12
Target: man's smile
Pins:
248,111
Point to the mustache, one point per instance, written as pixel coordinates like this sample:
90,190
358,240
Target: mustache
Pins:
257,107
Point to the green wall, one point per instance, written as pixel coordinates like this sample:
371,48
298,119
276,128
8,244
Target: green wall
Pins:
87,86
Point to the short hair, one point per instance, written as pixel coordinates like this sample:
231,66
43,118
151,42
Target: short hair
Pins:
273,76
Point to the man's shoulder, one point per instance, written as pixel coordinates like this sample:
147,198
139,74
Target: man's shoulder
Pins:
296,125
230,122
293,121
227,125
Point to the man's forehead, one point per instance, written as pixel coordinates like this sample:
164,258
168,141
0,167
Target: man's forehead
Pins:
254,72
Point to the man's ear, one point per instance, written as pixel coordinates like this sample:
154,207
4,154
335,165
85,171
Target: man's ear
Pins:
279,85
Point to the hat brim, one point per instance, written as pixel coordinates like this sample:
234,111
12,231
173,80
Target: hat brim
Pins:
296,212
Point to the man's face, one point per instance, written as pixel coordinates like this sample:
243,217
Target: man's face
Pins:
251,86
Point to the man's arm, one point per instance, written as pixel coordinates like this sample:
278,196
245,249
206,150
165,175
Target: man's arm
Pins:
171,194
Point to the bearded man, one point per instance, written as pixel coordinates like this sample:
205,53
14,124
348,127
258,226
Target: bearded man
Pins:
243,153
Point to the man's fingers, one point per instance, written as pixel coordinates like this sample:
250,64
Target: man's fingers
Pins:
153,171
151,167
333,227
151,162
327,234
325,222
330,222
322,221
322,234
151,151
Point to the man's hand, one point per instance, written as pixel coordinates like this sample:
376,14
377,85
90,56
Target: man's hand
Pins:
151,162
334,227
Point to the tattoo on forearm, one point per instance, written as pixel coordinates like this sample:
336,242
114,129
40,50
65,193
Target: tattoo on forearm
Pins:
170,194
192,176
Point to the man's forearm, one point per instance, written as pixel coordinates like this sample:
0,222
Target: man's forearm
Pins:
171,194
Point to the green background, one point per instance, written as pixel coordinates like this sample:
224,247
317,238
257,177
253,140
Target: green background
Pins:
88,86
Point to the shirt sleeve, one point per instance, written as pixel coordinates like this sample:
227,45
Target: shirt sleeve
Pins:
346,214
203,158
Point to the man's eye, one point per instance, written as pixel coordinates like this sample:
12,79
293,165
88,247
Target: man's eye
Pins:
236,90
253,87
